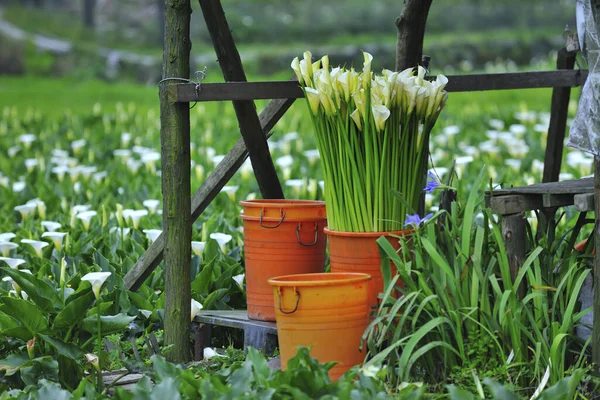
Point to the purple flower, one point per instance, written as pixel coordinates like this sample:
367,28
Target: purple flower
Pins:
432,184
416,220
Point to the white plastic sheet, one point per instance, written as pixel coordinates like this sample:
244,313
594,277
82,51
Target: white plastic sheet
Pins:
585,129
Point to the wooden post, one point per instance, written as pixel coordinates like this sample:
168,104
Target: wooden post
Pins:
175,153
596,271
231,65
515,240
411,32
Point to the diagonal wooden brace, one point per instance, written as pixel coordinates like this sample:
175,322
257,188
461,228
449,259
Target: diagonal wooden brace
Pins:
233,70
207,192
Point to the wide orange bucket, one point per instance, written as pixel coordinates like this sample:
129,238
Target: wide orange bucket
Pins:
327,312
281,237
359,252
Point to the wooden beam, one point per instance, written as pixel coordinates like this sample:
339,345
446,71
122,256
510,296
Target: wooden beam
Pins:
175,159
252,133
515,203
209,189
186,92
559,109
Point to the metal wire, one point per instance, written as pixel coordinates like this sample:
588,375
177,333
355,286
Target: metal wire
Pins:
199,75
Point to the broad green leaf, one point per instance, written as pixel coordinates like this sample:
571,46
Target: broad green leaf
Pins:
109,324
41,368
27,313
74,311
19,332
203,282
139,301
52,390
13,363
212,301
40,292
565,389
68,350
259,365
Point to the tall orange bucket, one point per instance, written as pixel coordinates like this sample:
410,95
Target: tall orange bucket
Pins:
359,252
281,237
327,312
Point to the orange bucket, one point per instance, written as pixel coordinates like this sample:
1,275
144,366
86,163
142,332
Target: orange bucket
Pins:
281,237
359,252
327,312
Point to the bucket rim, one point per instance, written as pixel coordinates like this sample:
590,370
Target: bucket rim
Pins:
329,279
287,203
331,232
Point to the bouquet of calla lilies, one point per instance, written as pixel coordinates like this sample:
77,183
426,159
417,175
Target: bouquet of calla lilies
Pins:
373,136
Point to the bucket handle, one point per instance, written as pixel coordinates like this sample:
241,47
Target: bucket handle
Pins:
280,303
307,244
271,227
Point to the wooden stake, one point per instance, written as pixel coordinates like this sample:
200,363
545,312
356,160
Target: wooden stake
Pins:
175,153
411,32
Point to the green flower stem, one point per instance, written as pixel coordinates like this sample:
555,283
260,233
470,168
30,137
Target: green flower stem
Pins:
99,348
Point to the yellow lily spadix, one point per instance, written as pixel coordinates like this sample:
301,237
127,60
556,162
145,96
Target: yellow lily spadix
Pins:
359,118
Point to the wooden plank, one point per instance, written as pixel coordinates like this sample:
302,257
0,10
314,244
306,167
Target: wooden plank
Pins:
557,200
596,271
577,186
186,92
234,319
206,193
559,109
175,161
252,133
513,204
584,202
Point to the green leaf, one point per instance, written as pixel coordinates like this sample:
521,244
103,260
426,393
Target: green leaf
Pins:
460,394
259,365
68,350
139,301
203,282
52,390
213,300
27,313
168,388
74,312
13,363
41,368
499,391
565,389
40,292
109,323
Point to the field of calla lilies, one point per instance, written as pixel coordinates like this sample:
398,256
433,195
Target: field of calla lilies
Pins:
81,194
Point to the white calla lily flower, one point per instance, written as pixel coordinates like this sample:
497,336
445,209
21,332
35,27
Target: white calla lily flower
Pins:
26,210
86,218
151,205
56,237
198,247
96,279
134,216
37,245
13,262
7,236
195,309
6,247
51,226
152,234
239,280
222,239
